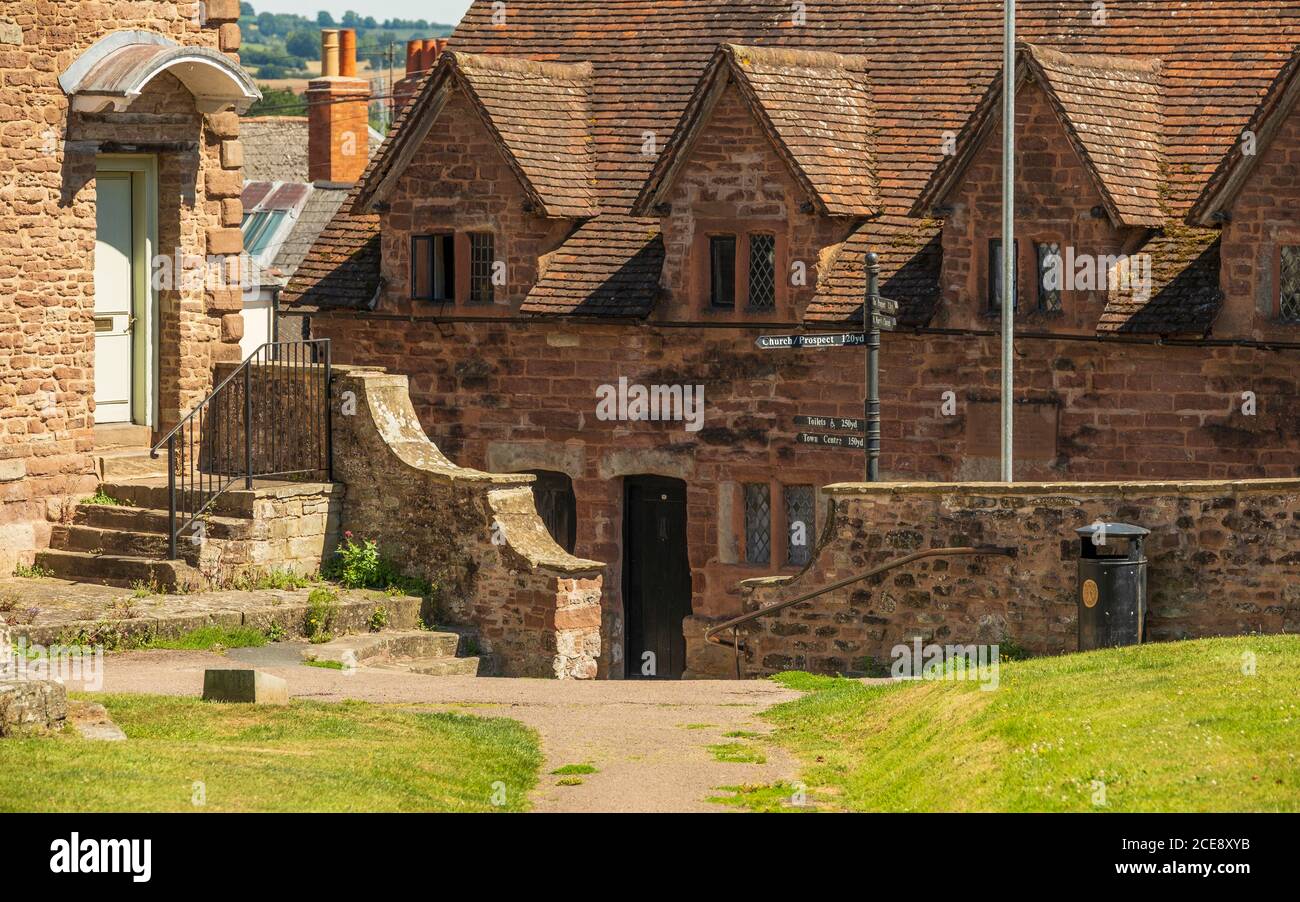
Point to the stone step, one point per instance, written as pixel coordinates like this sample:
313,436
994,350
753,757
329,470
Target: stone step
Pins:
236,501
386,647
130,464
115,436
437,666
115,541
148,520
118,570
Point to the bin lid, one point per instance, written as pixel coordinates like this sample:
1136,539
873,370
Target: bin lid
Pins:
1118,530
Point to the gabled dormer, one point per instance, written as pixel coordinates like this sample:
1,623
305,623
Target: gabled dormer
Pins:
489,168
770,169
1254,196
1090,188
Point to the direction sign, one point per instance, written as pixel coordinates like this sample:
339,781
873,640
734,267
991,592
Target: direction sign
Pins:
842,423
826,440
886,306
884,323
815,340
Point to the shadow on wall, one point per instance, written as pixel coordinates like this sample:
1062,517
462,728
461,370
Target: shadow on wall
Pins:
476,536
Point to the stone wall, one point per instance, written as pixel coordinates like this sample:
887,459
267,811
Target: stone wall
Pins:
291,527
30,706
1224,560
475,535
47,242
515,397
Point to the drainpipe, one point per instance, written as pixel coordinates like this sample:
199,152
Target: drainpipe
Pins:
1008,242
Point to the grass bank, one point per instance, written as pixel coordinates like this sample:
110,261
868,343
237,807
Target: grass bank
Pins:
308,756
1211,725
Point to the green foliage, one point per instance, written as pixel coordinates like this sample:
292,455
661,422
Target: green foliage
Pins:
800,681
327,665
35,571
322,609
358,564
278,102
103,498
379,619
763,797
214,638
737,753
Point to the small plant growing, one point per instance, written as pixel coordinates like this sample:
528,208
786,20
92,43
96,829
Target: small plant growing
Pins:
379,619
124,609
322,607
103,498
358,564
275,633
9,601
141,589
35,571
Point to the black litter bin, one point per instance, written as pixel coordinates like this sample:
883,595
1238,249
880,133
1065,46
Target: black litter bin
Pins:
1112,585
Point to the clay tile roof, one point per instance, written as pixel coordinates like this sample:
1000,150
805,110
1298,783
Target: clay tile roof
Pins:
814,105
1184,289
931,62
608,267
342,268
539,113
1112,111
1222,188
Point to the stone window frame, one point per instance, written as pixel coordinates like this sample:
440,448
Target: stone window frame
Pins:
715,240
1286,244
698,269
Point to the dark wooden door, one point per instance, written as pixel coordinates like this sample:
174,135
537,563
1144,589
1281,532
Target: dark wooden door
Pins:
557,506
656,576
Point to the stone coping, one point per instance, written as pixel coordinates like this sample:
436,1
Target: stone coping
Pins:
62,608
1143,487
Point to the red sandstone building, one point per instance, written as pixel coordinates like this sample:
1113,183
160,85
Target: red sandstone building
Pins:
631,193
120,153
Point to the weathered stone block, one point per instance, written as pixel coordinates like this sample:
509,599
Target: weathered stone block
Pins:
251,686
32,706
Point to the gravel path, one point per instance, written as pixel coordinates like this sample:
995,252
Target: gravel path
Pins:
648,740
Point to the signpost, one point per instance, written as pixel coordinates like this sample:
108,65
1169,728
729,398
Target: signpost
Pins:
879,314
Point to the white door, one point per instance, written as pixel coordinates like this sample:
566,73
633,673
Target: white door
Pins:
257,325
115,286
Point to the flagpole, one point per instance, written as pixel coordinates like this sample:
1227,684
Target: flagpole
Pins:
1008,240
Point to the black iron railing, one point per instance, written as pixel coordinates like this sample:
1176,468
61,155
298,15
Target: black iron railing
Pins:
734,624
270,418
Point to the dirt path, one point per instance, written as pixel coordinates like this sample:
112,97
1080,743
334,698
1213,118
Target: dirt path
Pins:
648,740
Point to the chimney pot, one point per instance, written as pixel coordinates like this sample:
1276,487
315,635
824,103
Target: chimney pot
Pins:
414,53
329,53
348,53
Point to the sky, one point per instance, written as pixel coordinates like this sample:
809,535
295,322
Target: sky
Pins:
446,11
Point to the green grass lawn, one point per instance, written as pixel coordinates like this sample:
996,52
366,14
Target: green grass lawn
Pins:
1164,727
308,756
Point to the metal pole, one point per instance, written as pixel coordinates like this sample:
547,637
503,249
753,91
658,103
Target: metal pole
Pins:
1008,241
871,331
248,425
171,497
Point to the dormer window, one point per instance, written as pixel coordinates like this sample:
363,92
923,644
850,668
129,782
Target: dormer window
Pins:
722,271
1289,285
433,267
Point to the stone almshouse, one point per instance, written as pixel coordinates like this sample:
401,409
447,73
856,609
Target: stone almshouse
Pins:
628,190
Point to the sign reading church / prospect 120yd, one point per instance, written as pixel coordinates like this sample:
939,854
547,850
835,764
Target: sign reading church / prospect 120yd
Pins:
837,340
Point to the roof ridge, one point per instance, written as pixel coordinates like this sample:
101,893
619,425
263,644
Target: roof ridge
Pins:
1152,65
501,62
813,59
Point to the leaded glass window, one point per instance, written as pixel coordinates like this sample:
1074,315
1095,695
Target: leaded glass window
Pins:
762,272
1050,274
800,523
758,523
482,255
1290,283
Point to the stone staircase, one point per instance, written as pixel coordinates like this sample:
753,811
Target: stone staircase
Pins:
408,651
276,525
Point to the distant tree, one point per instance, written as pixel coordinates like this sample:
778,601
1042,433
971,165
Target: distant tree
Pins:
369,22
304,45
324,19
266,24
351,19
278,102
246,9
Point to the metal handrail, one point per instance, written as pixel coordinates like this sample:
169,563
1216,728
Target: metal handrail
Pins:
734,624
203,461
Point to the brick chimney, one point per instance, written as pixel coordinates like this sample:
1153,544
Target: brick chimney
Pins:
338,113
421,57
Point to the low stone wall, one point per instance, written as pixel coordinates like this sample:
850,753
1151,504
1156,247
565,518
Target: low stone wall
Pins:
293,527
1224,560
476,535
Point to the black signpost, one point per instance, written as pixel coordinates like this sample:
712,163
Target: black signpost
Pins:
878,314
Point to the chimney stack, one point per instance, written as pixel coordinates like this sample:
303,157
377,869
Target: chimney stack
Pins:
421,57
338,113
